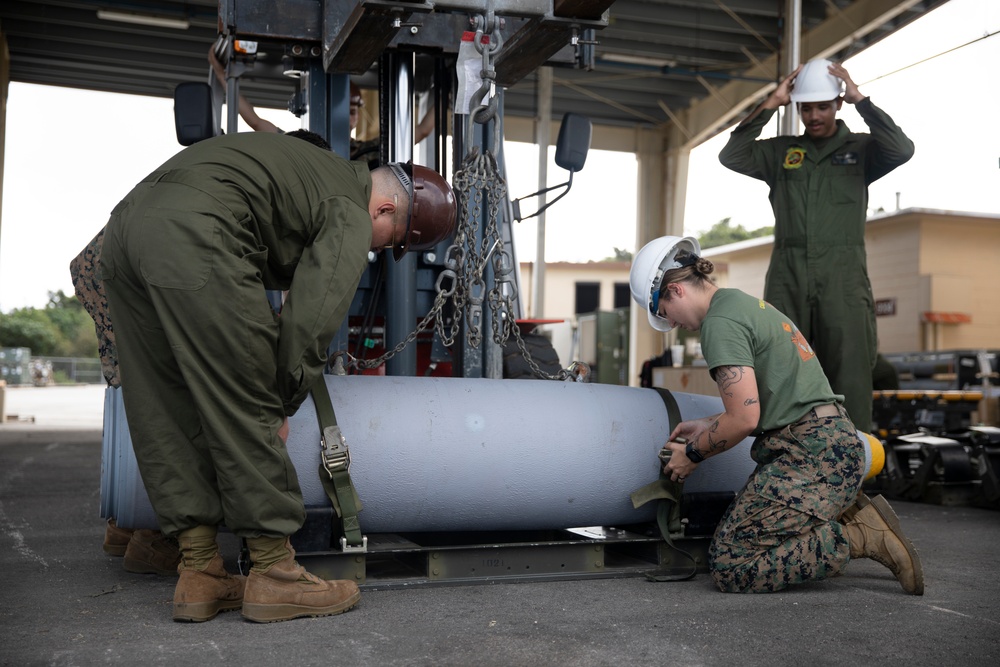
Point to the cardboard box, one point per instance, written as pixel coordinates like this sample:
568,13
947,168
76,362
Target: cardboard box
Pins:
686,380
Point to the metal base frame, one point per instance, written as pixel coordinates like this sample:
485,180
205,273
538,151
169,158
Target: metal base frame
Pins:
453,559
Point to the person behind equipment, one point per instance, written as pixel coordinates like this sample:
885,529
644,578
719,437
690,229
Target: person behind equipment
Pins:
360,150
819,182
249,114
783,527
210,374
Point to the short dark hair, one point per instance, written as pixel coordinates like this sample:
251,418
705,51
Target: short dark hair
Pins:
311,137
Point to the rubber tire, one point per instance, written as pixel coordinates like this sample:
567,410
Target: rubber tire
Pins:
515,367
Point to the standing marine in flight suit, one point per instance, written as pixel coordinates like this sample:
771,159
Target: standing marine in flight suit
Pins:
210,374
819,181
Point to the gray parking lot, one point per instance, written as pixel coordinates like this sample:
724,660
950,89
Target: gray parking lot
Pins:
66,603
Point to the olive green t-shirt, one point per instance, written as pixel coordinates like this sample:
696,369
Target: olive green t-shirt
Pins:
741,330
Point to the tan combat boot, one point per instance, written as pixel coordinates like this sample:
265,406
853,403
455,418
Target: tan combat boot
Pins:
201,594
151,552
204,587
280,590
862,502
875,533
115,539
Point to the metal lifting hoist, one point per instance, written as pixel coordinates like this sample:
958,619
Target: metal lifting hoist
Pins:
458,303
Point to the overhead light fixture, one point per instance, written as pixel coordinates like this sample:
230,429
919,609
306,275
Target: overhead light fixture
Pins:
143,19
638,60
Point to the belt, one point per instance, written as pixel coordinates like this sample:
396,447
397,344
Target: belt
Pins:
825,410
818,412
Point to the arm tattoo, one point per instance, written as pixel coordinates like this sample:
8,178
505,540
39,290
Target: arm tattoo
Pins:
750,401
727,376
713,444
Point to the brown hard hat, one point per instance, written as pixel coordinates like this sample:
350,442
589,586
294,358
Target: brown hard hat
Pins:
432,208
356,99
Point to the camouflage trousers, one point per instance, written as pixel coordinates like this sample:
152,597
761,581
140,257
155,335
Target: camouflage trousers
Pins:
782,528
90,290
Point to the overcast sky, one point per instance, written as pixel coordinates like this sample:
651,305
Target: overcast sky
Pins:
72,154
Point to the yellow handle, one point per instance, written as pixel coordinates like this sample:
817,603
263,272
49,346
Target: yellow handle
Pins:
878,455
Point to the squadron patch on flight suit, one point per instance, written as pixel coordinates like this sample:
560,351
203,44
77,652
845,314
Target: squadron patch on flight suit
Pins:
794,157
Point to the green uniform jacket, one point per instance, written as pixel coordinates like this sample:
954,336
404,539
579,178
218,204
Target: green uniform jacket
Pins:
208,370
301,214
818,274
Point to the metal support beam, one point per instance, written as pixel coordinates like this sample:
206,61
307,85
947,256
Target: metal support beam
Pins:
396,83
354,37
536,42
232,105
543,132
327,106
792,58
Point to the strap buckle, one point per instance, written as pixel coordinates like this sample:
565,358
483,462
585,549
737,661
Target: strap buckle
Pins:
354,548
334,453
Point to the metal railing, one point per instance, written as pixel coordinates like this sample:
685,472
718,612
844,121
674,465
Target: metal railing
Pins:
64,370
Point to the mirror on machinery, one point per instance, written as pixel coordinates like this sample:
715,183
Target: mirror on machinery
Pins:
571,154
194,114
198,106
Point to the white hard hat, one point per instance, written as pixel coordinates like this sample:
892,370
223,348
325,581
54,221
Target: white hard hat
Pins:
656,258
814,83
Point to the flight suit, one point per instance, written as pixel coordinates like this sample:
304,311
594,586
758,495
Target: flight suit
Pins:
818,274
208,370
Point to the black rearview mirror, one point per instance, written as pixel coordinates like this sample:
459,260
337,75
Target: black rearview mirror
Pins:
574,142
572,147
194,116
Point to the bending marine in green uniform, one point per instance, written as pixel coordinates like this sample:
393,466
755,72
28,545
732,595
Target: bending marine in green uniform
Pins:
210,374
796,520
144,551
819,181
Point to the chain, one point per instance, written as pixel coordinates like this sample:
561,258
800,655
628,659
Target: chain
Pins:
487,30
479,187
435,314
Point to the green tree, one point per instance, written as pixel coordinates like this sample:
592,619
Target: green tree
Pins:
29,327
723,233
621,255
76,329
61,329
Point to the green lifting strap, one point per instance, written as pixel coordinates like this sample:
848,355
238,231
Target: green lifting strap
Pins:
334,470
668,509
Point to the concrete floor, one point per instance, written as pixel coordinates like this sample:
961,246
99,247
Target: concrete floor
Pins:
64,602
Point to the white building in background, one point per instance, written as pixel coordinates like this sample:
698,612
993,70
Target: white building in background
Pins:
935,276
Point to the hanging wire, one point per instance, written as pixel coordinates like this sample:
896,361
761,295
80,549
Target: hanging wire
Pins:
929,58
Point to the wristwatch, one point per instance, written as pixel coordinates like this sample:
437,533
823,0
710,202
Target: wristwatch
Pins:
693,454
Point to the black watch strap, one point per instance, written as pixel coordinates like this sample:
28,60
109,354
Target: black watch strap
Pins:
693,454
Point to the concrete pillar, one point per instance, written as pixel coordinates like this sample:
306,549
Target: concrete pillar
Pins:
4,85
663,158
651,217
